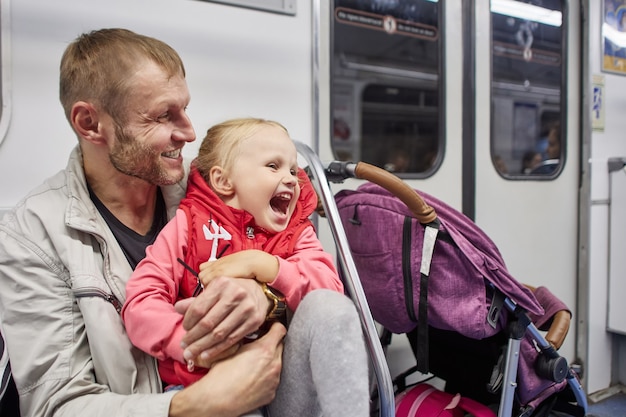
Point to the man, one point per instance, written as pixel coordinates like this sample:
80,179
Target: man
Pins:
67,249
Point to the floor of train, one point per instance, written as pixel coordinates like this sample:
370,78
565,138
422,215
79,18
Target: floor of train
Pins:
613,406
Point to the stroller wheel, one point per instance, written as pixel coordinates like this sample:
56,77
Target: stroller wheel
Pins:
554,369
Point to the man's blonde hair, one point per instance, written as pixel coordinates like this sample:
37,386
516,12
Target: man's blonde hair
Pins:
98,65
221,144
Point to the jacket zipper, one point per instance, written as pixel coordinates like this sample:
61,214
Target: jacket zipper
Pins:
97,292
153,371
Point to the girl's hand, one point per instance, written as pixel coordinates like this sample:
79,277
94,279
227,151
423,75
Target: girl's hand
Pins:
251,263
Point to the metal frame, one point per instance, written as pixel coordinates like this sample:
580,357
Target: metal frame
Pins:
377,356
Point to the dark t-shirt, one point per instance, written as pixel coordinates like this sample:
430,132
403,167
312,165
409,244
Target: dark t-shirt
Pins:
132,243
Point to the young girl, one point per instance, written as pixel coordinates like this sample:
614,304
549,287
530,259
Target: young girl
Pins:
245,215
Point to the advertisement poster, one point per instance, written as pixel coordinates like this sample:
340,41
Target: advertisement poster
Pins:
614,36
597,109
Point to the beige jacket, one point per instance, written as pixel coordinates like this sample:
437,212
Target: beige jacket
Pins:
62,275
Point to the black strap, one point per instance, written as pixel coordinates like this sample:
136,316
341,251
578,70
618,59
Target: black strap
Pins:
421,352
9,400
422,327
5,367
430,236
407,274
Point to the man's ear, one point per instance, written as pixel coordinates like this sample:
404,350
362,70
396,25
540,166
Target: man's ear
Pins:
220,181
86,122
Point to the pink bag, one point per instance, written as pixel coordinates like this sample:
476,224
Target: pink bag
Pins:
424,400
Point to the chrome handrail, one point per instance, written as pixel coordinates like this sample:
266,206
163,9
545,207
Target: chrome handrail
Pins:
352,281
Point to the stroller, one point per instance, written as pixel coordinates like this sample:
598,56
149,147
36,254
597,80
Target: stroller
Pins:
495,319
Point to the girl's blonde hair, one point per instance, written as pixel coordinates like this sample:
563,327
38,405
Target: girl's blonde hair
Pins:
221,144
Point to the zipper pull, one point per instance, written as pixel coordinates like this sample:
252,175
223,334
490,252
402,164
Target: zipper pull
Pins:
116,303
198,289
250,232
199,286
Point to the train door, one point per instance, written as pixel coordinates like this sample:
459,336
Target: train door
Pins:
527,104
454,97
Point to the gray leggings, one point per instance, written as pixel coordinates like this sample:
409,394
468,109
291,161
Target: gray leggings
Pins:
325,363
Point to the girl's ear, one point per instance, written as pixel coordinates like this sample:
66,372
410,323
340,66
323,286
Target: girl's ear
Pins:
220,181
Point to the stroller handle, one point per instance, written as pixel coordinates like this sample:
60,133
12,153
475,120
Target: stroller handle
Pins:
559,323
422,211
559,329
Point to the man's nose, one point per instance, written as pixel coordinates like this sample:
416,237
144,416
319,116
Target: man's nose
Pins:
184,130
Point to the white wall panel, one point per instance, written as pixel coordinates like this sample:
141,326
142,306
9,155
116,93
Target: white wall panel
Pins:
239,61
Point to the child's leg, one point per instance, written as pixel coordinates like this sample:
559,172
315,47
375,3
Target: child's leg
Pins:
325,364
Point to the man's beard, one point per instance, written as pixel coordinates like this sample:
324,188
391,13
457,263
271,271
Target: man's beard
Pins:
138,160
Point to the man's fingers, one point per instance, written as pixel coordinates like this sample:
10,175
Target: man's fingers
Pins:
182,305
209,339
197,308
276,333
227,310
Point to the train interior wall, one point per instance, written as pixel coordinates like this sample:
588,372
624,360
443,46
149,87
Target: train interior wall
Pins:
605,142
243,62
239,62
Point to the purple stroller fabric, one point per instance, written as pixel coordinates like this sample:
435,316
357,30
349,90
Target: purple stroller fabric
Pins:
461,273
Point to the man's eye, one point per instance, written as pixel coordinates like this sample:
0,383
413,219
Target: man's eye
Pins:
163,118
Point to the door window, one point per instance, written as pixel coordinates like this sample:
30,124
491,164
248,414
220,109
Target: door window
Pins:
527,135
385,82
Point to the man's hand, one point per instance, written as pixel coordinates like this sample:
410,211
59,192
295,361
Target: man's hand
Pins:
251,263
236,385
199,361
219,318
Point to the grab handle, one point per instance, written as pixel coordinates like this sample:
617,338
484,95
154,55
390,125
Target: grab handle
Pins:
422,211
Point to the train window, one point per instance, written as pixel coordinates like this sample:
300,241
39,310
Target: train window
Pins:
385,84
528,46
